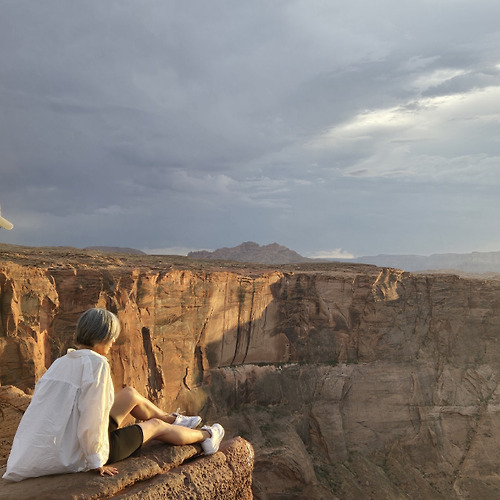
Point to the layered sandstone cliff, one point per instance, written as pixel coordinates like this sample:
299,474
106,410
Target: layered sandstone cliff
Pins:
349,381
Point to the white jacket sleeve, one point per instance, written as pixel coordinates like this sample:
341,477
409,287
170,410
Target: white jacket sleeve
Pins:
94,405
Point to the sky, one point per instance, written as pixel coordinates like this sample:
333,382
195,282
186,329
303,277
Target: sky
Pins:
334,128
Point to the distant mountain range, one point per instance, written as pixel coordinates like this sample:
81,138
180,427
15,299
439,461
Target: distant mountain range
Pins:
253,252
476,262
249,251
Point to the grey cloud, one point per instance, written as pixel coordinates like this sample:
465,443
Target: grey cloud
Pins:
475,79
198,117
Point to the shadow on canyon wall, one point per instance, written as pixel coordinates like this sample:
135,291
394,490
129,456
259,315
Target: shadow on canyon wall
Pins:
385,385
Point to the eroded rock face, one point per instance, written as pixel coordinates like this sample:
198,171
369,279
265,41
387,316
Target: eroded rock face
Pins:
350,381
13,403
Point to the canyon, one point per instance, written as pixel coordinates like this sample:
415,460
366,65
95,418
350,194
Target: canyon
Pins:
349,381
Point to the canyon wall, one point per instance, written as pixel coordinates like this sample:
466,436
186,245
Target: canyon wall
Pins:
350,381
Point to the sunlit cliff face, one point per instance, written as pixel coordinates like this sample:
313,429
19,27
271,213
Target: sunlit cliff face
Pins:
311,364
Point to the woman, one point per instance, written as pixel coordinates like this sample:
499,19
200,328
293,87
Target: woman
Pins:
73,421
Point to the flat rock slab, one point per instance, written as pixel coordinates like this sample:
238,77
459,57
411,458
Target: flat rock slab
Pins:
150,467
223,476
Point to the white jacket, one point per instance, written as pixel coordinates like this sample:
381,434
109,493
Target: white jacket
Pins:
65,427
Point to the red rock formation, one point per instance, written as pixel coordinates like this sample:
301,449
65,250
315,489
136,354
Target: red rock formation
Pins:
350,381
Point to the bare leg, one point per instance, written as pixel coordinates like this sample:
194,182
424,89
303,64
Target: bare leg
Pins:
129,401
173,434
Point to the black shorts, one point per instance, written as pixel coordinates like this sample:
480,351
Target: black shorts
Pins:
124,441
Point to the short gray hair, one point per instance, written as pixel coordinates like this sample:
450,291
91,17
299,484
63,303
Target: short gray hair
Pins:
96,326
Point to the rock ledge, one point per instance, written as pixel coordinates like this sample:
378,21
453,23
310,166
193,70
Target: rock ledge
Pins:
156,471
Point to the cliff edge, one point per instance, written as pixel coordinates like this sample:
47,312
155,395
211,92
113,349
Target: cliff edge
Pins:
155,471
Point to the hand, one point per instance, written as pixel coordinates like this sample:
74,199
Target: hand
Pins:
107,470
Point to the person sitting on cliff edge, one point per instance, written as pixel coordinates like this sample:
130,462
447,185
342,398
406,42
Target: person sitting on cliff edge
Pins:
73,421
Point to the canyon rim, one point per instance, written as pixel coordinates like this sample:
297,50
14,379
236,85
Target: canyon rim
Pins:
349,380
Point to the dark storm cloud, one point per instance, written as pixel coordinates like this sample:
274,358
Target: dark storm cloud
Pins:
320,125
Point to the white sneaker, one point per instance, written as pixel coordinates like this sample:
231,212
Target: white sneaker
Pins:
191,422
211,444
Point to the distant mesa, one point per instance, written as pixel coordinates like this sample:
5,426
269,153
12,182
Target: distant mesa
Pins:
116,250
253,252
475,262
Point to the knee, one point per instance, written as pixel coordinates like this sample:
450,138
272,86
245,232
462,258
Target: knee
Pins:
158,424
130,393
153,428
